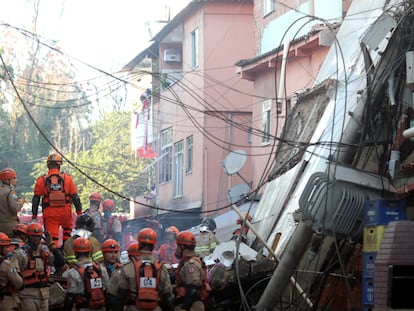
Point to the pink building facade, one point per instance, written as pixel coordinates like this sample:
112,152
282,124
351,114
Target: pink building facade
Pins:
221,84
201,106
278,78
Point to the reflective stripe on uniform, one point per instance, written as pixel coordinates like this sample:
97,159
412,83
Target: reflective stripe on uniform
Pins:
97,256
71,259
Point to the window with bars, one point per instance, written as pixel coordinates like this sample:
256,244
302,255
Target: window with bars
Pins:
194,45
267,108
178,168
166,156
189,154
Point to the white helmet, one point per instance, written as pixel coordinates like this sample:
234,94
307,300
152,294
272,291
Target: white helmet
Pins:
124,258
204,228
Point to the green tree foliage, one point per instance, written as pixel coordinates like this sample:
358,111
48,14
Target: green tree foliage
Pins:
109,166
42,106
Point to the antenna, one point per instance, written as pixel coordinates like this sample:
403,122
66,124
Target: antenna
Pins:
232,164
238,192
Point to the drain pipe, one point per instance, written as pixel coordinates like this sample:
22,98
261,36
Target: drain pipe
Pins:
281,94
260,238
291,258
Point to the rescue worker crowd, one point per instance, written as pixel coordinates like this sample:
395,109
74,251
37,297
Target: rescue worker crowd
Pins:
85,268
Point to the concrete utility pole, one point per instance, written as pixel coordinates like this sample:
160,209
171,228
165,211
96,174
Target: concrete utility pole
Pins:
287,264
291,278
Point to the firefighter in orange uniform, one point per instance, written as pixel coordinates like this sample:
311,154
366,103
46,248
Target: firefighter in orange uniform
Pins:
241,232
95,200
9,202
86,280
167,250
10,280
110,250
192,286
113,285
155,225
153,290
34,260
111,223
112,264
108,207
133,250
58,192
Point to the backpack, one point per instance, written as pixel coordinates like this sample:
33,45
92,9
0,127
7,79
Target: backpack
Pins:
94,296
31,275
205,289
147,276
55,188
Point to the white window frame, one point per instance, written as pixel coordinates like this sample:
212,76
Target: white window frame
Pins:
268,7
266,113
189,155
194,46
178,169
166,156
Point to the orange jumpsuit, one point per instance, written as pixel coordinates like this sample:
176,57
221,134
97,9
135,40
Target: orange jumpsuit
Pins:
167,252
56,216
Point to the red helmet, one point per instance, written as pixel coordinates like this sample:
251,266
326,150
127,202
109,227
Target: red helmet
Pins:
172,229
34,229
81,245
54,157
95,196
108,205
4,239
133,249
110,245
20,228
7,173
186,238
148,236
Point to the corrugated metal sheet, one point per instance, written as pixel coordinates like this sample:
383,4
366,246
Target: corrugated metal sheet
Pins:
271,204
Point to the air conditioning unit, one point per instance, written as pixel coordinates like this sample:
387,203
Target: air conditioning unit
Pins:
172,55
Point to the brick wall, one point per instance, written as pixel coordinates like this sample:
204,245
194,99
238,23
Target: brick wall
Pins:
397,249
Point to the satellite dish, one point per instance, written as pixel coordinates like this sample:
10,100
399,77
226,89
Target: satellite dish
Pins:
234,162
238,192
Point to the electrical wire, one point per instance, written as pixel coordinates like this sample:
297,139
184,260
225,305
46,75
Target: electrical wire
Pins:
259,131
